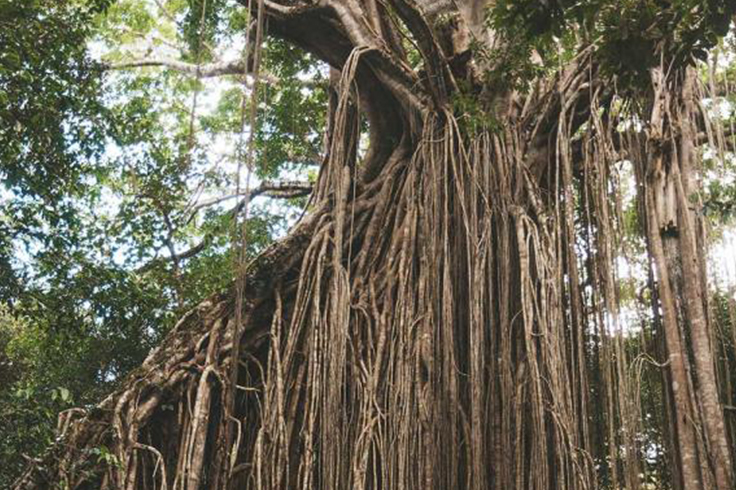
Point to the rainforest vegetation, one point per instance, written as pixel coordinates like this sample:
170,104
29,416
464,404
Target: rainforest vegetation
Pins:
367,244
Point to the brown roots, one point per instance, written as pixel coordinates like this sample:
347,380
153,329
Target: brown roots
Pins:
427,326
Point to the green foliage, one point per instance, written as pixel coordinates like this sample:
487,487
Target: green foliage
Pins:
202,23
472,115
719,184
30,393
720,200
525,28
631,36
52,125
101,171
291,121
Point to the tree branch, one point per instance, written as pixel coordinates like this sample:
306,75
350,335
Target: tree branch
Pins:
208,70
728,133
275,190
439,77
435,8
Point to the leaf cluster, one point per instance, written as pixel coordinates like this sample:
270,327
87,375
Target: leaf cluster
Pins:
630,36
52,124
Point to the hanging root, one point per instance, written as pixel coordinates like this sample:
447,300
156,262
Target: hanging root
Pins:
448,320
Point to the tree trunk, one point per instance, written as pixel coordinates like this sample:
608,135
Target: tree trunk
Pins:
425,326
673,242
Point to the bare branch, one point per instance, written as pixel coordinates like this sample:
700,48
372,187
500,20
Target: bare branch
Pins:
275,190
275,8
151,37
165,11
173,20
728,134
208,70
434,8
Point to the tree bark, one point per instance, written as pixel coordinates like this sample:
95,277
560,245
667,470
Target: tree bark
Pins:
421,328
673,241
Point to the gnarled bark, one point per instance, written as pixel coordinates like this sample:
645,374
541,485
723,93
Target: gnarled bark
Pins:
426,325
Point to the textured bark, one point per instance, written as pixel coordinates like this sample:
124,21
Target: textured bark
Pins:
426,326
676,354
674,245
695,296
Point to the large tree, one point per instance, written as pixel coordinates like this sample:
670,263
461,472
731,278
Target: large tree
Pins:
447,314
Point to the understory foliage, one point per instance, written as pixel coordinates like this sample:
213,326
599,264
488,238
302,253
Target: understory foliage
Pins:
453,310
117,195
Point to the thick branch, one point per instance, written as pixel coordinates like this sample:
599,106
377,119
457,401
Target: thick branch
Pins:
393,105
439,77
434,8
331,30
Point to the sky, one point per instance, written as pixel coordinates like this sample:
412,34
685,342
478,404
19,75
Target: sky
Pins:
721,255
